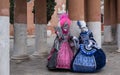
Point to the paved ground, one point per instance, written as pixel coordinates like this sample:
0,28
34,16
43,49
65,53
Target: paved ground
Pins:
37,66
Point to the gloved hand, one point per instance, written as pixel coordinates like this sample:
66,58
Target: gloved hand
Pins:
76,42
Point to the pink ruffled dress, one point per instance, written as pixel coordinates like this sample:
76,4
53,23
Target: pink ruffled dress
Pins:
65,55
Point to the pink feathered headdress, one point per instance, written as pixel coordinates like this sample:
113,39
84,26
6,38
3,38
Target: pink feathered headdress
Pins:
64,18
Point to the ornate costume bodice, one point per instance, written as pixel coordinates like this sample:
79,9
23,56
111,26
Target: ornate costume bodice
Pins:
61,37
85,37
65,37
88,40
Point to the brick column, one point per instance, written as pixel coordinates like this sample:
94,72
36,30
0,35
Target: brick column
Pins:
93,19
118,25
40,27
76,12
113,18
4,38
20,30
107,25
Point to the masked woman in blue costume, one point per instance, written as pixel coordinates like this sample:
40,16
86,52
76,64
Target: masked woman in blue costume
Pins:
89,57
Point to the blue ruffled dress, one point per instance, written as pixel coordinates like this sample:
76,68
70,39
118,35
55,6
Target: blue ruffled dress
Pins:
88,59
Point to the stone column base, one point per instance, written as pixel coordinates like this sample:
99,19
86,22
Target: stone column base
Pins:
36,54
19,59
20,42
22,57
118,50
40,40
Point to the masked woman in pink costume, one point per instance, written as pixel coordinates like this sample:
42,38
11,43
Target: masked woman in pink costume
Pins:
61,54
